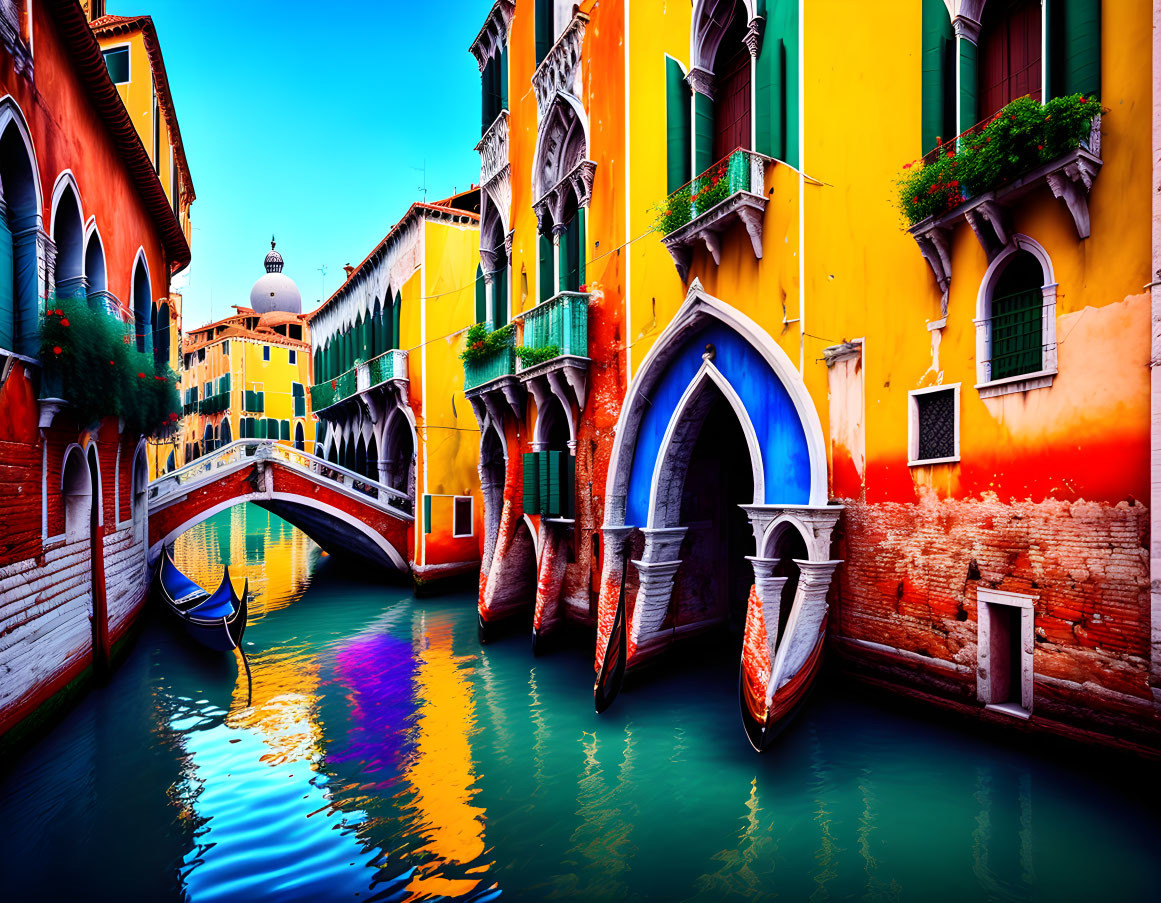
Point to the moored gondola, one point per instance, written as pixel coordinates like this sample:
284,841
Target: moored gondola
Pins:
216,620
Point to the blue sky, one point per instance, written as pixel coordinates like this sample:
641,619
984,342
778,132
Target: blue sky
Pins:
313,121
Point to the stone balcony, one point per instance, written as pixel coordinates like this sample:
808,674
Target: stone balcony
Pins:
560,70
730,191
493,149
387,370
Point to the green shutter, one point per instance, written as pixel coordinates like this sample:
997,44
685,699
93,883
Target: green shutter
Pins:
546,274
225,383
481,295
7,286
677,127
776,84
937,118
500,295
703,125
395,311
550,483
544,29
504,78
1074,47
271,428
426,513
568,488
261,397
581,249
1016,334
564,251
284,429
969,101
531,467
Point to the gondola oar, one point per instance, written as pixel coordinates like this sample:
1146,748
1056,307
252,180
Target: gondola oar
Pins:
612,673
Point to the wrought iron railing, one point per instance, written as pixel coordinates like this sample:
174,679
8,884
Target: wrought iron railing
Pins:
242,450
741,170
562,320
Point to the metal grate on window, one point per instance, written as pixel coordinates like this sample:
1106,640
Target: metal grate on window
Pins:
936,417
1016,334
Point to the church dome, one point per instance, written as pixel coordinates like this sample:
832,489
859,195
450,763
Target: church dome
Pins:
275,291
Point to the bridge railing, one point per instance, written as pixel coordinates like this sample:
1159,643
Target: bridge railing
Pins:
266,450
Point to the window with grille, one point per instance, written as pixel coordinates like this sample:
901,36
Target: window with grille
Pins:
1016,319
462,515
934,432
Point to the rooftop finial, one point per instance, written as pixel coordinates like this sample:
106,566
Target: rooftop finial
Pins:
273,259
271,242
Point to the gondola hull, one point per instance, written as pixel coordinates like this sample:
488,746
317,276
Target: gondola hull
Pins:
216,620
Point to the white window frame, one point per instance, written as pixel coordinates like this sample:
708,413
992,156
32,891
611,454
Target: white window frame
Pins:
471,516
913,459
127,47
1023,382
1027,605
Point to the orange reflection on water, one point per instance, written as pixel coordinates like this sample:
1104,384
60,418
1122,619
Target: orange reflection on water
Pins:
441,771
278,700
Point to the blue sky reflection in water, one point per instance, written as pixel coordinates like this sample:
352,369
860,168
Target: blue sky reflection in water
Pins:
380,753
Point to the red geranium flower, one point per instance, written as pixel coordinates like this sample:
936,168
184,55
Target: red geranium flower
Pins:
1039,147
56,349
64,322
141,376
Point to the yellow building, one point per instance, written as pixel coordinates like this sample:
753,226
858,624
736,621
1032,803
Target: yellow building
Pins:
389,388
247,376
133,57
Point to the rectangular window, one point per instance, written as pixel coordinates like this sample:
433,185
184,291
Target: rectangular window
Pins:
292,356
117,62
226,347
462,515
265,352
933,425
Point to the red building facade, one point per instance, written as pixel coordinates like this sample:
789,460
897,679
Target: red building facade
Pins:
82,215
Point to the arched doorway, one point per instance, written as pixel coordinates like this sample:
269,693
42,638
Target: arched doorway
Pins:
492,470
299,437
399,454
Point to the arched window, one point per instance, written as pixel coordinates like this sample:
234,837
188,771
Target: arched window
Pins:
142,307
1016,323
227,432
563,182
95,275
68,235
161,336
19,304
299,437
378,345
372,469
732,87
77,491
208,438
140,484
492,279
1009,54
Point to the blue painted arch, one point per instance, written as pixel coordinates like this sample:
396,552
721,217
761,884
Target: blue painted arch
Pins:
777,425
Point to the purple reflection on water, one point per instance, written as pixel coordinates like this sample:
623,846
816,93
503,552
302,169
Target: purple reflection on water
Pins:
377,670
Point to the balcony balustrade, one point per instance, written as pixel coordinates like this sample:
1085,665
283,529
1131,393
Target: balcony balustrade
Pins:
561,321
501,362
391,366
731,190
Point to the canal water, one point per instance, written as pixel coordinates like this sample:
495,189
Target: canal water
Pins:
377,752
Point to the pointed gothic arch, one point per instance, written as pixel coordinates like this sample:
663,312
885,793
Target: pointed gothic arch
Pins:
21,250
561,168
67,231
142,302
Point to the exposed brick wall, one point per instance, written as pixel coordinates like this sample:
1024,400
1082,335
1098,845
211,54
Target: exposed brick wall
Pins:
911,573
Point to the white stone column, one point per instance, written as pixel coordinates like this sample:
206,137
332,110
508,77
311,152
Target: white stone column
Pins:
805,619
656,570
769,596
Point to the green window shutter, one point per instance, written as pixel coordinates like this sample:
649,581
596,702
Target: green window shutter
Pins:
226,383
271,428
546,274
703,125
426,513
550,483
531,483
1074,47
259,428
581,248
395,311
1016,332
284,429
937,116
544,29
481,296
504,78
677,127
500,295
969,101
568,489
7,285
567,261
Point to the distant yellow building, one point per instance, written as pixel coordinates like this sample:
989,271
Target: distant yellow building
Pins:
247,376
133,57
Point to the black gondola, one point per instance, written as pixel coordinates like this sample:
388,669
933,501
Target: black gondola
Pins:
217,619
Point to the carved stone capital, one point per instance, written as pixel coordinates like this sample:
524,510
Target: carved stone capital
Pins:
753,36
701,80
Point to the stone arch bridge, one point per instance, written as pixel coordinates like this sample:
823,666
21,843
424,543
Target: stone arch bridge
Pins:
339,509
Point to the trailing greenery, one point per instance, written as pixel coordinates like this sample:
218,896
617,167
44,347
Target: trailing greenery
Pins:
90,359
724,178
530,356
1022,136
479,342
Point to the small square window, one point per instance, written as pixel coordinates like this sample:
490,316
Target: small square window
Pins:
117,62
933,428
292,356
462,515
265,352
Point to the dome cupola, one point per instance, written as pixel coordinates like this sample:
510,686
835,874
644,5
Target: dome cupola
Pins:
275,291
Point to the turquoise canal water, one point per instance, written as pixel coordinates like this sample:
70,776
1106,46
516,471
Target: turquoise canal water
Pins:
377,752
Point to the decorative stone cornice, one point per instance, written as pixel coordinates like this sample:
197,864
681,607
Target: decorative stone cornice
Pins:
578,182
967,28
12,40
701,80
494,33
707,228
560,70
493,148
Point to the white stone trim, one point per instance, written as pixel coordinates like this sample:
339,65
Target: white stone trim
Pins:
1026,604
913,459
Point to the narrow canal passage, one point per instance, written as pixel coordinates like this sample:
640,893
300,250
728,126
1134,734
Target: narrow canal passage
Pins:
379,753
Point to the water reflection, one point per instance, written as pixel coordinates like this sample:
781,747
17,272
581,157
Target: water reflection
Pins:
378,752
